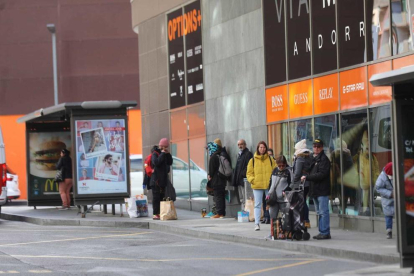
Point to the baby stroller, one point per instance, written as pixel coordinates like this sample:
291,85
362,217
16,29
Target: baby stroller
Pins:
292,215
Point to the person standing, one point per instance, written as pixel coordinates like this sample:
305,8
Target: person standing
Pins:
320,188
161,160
240,171
301,167
217,183
65,165
259,170
384,187
279,183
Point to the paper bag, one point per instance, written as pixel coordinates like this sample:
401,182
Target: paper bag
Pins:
249,207
167,210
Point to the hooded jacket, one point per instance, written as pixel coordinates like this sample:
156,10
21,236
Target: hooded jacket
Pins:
259,174
280,181
384,187
241,167
319,176
161,163
301,167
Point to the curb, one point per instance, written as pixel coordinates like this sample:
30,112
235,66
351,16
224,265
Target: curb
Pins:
281,245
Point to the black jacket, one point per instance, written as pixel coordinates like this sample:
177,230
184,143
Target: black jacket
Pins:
319,176
161,165
213,167
65,164
241,167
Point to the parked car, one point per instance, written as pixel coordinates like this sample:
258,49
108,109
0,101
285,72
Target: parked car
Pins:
13,191
136,174
181,178
3,174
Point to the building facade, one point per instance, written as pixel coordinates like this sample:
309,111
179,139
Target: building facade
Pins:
279,71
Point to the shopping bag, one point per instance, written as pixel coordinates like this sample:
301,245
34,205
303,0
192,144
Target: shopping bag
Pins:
167,210
243,216
249,207
142,205
131,207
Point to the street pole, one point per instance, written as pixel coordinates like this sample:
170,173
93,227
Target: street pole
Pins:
52,29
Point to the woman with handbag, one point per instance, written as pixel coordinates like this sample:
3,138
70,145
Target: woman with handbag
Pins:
279,183
64,165
259,170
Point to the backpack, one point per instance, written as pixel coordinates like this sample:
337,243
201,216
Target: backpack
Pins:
225,170
148,165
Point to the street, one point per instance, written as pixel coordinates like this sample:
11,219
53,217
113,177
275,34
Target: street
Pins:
28,249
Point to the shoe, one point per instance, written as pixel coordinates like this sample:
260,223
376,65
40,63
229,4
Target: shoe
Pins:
389,234
156,217
209,215
216,216
322,237
307,224
257,227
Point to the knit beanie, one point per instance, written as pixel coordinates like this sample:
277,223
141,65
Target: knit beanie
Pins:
388,168
301,144
218,142
164,143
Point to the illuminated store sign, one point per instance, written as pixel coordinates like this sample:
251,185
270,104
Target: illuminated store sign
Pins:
353,88
325,94
300,99
277,103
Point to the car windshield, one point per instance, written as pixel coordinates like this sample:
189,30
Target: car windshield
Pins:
136,165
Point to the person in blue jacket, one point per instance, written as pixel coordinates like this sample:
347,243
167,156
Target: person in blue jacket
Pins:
384,187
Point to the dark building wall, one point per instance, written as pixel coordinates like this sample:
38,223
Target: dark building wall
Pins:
97,52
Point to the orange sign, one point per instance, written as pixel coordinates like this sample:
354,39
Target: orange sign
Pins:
403,62
325,94
353,88
184,24
276,104
379,94
300,99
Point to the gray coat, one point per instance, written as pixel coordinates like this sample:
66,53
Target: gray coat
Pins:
384,187
301,167
280,181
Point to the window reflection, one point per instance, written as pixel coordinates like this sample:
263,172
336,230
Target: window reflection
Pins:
180,172
299,130
278,140
379,31
401,35
198,172
380,129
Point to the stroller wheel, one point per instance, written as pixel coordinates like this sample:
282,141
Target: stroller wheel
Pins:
298,235
306,236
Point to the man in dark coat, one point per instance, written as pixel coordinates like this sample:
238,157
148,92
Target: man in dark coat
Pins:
239,173
320,188
217,183
161,160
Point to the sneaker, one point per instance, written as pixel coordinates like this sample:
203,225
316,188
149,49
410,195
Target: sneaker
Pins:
209,215
389,234
322,237
257,227
156,217
307,224
216,216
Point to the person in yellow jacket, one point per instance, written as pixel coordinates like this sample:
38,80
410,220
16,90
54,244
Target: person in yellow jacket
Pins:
259,171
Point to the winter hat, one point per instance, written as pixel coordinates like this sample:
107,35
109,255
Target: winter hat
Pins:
301,144
388,168
212,148
164,143
218,142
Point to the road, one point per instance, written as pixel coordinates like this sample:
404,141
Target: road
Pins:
28,249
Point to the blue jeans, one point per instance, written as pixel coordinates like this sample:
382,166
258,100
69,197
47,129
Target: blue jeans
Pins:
322,209
258,197
388,222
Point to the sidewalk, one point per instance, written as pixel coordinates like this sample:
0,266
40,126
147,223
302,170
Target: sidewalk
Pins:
370,247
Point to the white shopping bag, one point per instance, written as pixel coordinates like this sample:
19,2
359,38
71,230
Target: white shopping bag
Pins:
131,207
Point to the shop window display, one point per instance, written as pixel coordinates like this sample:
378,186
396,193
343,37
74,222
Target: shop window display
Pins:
326,128
380,138
402,40
299,130
356,171
278,139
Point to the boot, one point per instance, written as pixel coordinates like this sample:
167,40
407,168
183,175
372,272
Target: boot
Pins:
389,234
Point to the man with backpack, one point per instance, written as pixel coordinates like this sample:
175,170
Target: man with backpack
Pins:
219,171
243,158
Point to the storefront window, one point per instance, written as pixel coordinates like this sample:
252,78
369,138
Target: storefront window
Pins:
198,168
180,169
326,129
299,130
378,30
278,139
380,132
355,163
401,35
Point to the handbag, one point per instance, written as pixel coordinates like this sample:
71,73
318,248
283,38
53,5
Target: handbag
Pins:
272,199
59,176
170,191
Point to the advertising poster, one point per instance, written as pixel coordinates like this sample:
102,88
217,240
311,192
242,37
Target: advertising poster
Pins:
100,150
45,148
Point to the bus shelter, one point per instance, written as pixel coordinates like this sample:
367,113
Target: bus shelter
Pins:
402,82
96,134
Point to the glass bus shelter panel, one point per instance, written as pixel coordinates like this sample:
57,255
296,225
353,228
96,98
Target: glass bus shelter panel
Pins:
380,139
355,163
198,168
180,169
326,129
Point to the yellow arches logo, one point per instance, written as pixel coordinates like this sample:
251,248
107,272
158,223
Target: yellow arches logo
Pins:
52,184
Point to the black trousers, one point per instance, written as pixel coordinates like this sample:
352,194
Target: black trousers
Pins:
157,196
220,201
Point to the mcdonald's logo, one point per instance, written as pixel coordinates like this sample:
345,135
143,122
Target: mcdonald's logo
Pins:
51,183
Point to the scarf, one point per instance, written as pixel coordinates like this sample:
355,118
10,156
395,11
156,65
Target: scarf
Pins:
212,148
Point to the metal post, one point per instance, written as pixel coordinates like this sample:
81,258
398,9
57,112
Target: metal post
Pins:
55,84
